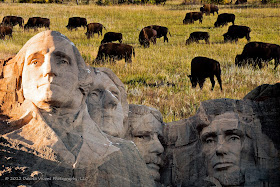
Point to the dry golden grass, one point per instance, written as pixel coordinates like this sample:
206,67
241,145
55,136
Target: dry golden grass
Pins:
163,62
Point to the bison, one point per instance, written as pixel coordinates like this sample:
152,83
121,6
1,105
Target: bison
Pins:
5,31
146,35
208,8
37,22
202,68
114,51
13,21
257,52
75,22
112,36
240,2
196,36
94,28
237,31
223,19
161,31
193,16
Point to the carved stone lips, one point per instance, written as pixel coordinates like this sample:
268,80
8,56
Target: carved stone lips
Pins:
153,166
222,165
47,83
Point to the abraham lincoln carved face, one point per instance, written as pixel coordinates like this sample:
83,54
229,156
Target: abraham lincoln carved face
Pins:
50,73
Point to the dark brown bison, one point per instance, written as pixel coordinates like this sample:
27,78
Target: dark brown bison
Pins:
193,16
146,36
94,28
237,31
112,36
37,22
5,31
257,52
202,68
161,31
13,21
240,2
75,22
209,8
114,51
196,36
224,18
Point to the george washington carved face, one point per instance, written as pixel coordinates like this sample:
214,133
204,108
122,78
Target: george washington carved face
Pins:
50,73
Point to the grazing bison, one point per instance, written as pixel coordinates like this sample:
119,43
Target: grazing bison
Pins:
37,22
161,31
114,51
240,2
5,31
75,22
237,31
146,35
112,36
208,8
196,36
201,68
224,18
193,16
94,28
13,21
257,52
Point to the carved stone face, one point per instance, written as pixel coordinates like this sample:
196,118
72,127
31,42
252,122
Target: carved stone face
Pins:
104,105
50,73
145,134
222,146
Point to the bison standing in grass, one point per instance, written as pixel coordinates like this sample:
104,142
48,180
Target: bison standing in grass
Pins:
75,22
196,36
13,21
224,19
161,31
202,68
37,22
94,28
209,8
5,31
237,31
146,36
112,36
114,51
257,52
193,16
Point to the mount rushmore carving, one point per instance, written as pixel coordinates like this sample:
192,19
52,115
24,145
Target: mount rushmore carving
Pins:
64,123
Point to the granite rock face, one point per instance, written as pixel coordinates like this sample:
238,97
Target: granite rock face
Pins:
47,135
257,117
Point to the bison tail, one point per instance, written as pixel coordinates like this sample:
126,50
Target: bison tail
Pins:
169,33
104,28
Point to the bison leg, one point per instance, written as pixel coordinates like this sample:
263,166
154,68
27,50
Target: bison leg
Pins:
219,80
201,82
276,61
212,82
248,38
165,39
207,41
200,21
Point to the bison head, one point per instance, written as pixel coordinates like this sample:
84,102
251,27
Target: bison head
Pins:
216,24
226,37
194,80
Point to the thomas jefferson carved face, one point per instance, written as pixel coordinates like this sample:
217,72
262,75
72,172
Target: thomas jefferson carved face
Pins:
104,105
222,146
146,130
50,73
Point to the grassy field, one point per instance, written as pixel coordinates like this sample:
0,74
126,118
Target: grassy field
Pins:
167,63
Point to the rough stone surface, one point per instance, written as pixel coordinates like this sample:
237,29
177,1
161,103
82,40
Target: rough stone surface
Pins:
185,162
48,138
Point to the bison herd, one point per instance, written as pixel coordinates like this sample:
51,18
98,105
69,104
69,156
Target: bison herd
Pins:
254,53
